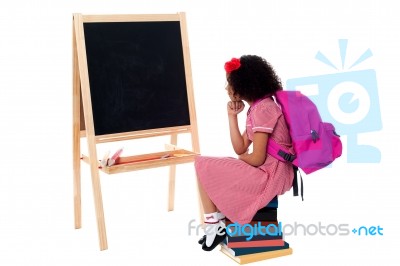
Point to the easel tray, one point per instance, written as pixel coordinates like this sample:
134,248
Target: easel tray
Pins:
145,161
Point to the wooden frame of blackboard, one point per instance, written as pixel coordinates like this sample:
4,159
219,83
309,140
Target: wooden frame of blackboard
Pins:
83,122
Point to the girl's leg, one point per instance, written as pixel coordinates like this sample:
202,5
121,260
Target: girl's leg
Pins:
208,205
221,218
211,220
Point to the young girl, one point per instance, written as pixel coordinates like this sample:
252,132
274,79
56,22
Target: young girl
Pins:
238,188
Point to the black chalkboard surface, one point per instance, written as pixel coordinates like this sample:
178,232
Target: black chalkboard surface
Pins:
136,75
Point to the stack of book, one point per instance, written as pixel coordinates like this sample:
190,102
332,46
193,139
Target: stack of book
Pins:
260,239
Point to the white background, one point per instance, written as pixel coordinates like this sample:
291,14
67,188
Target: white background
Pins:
36,199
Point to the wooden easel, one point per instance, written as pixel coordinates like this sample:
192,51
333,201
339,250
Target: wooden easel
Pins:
82,100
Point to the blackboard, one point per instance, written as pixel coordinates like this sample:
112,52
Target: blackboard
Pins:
136,75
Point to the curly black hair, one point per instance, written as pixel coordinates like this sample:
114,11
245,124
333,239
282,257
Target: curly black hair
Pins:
254,79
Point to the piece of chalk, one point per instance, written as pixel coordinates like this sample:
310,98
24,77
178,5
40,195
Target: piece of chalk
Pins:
104,161
110,162
113,158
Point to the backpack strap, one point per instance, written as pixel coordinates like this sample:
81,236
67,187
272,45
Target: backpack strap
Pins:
282,154
295,184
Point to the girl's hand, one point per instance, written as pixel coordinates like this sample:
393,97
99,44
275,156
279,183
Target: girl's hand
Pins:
235,107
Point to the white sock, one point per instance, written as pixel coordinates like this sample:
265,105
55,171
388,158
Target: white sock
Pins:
221,217
211,225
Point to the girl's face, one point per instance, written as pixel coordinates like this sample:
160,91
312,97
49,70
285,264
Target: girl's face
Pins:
229,89
231,93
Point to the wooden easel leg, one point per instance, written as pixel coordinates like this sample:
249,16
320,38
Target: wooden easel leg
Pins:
77,190
171,187
192,108
76,89
81,71
196,148
98,202
172,174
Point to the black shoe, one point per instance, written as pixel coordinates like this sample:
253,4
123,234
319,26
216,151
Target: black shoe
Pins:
202,240
218,239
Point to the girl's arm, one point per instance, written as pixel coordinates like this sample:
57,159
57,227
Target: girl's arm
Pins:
259,154
240,142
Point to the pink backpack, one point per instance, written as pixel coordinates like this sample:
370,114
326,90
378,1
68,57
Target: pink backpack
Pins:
315,143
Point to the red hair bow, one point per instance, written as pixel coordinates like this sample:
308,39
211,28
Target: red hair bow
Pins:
232,65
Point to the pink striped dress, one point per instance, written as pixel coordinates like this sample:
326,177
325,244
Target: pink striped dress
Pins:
238,189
